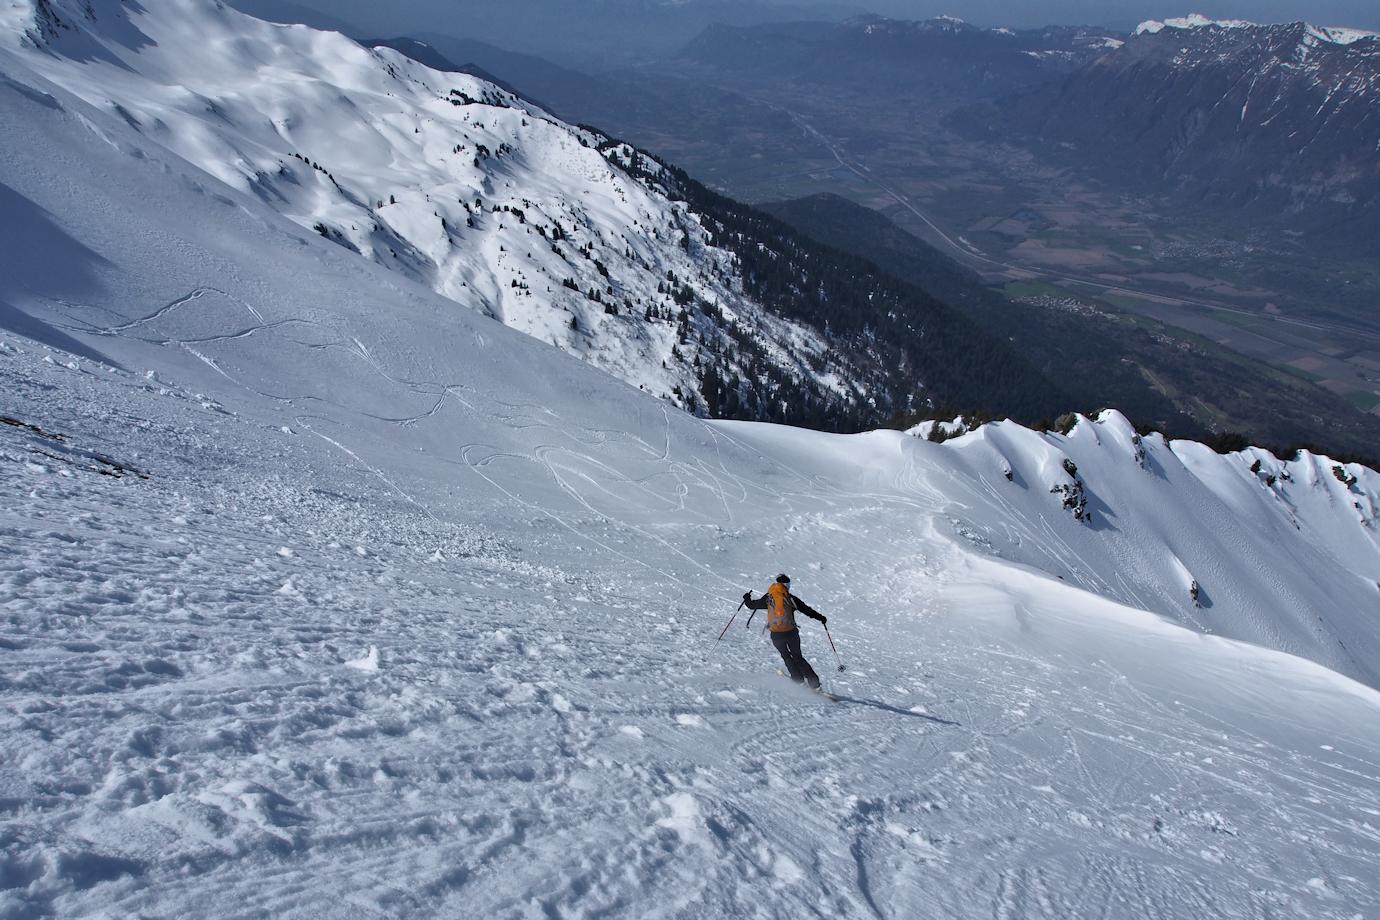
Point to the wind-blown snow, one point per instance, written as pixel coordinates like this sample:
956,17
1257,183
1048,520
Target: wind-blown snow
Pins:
319,596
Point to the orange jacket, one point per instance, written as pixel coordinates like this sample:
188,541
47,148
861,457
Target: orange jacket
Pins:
781,606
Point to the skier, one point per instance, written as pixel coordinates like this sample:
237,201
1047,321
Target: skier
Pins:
781,606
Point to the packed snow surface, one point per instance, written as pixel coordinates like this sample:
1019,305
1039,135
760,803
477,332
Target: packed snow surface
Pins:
320,596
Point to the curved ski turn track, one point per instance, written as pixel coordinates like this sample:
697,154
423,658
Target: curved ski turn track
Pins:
547,727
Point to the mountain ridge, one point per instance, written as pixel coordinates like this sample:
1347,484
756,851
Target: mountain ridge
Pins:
1338,35
560,231
1274,123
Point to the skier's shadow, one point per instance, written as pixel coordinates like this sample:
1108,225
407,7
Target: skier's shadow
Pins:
894,709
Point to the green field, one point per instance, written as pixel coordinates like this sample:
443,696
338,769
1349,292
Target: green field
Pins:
1363,401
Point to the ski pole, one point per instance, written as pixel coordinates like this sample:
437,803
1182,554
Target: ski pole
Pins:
730,620
834,647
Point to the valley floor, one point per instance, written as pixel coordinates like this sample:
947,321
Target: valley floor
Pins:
266,682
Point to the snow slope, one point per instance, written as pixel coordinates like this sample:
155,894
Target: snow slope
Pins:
442,177
321,597
1284,554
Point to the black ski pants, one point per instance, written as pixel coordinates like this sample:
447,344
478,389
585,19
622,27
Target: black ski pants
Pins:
788,644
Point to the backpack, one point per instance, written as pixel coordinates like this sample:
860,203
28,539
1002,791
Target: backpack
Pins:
780,608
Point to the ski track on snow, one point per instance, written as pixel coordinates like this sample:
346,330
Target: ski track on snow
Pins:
534,568
747,782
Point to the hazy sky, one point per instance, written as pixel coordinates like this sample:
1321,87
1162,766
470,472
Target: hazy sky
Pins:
593,33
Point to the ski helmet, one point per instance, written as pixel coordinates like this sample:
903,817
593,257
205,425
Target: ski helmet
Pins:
784,579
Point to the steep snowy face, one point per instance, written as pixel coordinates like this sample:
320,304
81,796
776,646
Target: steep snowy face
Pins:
1281,553
444,178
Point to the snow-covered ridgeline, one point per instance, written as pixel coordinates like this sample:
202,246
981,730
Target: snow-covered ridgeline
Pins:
1070,37
1276,119
1333,35
442,177
1191,21
414,615
1233,544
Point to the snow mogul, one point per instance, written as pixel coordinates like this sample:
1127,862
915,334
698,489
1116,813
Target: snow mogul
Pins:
781,607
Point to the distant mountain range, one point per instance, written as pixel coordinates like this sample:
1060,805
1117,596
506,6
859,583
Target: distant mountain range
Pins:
890,55
1278,125
1278,122
730,313
588,33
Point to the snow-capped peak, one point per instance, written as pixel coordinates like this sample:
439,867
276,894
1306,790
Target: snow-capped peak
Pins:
873,24
1341,35
1333,35
1191,21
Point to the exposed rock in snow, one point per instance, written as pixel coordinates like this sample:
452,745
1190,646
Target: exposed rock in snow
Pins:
1074,499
